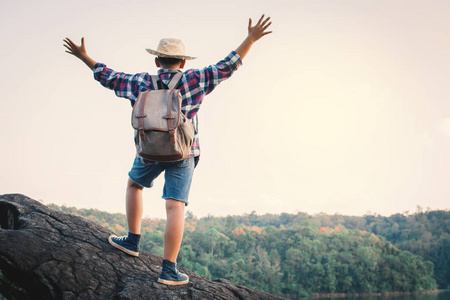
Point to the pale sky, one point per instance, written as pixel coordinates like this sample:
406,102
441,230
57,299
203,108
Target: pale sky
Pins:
343,109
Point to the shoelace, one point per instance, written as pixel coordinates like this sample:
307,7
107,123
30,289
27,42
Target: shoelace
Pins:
122,238
178,272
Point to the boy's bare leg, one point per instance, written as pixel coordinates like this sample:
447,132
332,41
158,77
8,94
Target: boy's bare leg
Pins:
173,233
134,206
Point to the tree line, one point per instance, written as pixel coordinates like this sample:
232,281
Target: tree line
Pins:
299,254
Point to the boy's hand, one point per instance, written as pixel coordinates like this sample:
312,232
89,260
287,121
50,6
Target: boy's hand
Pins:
259,30
254,33
79,51
74,49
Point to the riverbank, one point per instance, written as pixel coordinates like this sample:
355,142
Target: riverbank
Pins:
342,295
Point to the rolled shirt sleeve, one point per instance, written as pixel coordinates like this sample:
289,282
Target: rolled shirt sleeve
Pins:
124,85
221,71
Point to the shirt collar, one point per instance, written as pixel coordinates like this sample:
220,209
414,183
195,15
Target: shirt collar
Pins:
165,71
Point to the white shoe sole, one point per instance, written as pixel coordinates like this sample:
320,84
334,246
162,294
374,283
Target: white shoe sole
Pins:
170,282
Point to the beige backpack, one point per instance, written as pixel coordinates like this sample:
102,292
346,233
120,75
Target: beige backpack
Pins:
162,132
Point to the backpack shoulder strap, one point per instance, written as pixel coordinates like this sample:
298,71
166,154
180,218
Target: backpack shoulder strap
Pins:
174,81
155,79
171,85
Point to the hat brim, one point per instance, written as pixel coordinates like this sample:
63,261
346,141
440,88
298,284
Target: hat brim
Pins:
157,53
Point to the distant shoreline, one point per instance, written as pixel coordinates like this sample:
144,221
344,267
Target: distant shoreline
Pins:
341,295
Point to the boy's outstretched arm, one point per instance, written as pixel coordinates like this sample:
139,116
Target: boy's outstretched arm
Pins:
254,33
80,52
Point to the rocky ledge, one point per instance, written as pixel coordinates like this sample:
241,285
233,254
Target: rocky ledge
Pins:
45,254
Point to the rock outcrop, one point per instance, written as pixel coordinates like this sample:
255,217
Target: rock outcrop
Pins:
45,254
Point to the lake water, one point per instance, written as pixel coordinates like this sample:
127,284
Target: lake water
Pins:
445,295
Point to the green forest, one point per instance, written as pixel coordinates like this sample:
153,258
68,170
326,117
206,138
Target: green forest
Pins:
299,254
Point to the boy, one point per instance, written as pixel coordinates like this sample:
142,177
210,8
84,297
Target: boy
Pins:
193,85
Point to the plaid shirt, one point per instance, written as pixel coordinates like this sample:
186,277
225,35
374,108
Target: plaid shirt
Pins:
193,86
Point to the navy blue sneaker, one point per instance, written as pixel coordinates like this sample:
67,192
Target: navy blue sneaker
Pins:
124,243
170,274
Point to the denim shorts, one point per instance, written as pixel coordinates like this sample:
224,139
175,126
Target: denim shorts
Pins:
177,176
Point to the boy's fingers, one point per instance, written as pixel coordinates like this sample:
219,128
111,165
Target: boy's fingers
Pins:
68,47
69,41
267,26
260,19
265,21
72,44
249,23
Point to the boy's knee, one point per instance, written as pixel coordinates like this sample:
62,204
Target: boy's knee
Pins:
134,185
172,204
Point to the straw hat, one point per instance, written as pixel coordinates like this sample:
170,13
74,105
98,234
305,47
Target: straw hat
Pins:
168,47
